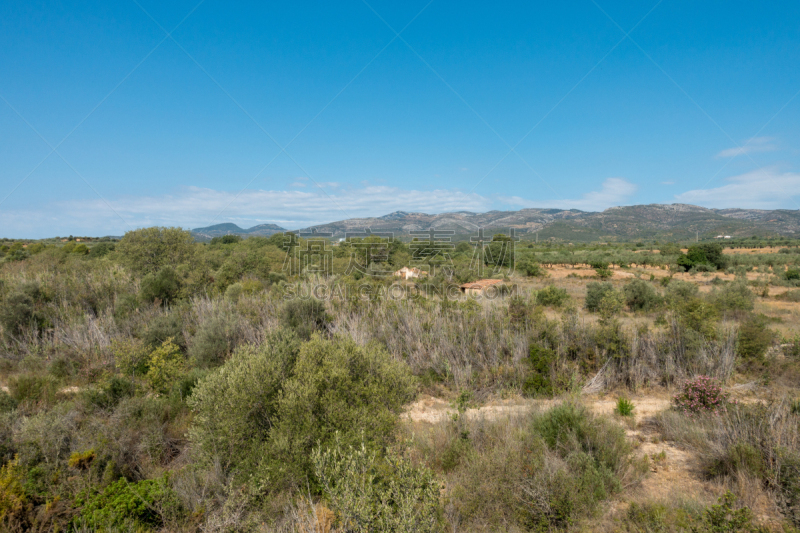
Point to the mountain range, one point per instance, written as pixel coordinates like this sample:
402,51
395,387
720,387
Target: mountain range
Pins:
654,221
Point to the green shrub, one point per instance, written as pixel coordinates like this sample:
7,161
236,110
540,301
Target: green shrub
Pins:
13,500
641,296
234,292
624,407
368,494
130,356
790,296
130,506
281,400
734,297
110,393
595,292
19,309
101,249
165,364
755,338
601,269
214,341
305,317
125,306
518,310
162,287
723,518
596,452
7,402
531,268
792,274
33,388
538,381
552,296
164,327
740,457
794,406
185,385
679,290
147,250
62,367
247,388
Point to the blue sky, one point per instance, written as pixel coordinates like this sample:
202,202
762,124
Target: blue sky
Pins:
304,112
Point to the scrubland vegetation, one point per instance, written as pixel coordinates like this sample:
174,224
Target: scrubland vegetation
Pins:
160,384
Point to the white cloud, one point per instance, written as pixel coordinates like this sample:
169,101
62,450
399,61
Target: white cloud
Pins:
753,146
766,188
613,192
193,207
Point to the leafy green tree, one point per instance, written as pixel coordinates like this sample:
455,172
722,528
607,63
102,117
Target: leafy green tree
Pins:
669,248
703,254
147,250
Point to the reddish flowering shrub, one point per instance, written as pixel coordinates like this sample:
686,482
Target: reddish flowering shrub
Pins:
701,395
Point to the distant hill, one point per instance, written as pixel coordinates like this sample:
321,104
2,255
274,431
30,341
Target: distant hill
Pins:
677,222
654,221
218,230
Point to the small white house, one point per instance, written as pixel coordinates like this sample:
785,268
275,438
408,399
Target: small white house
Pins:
410,273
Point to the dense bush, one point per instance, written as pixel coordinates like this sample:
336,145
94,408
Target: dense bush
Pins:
369,494
33,388
305,317
19,309
147,250
641,296
595,292
110,393
165,364
214,341
280,400
755,338
163,286
7,402
538,381
734,297
125,505
552,296
531,268
163,327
